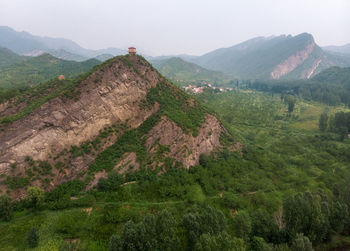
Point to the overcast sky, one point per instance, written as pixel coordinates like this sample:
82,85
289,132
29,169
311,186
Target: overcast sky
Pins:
177,26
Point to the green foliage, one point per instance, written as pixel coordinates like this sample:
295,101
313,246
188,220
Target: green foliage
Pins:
242,225
32,71
5,208
115,243
70,224
222,241
16,182
330,86
176,105
35,196
323,122
33,238
301,243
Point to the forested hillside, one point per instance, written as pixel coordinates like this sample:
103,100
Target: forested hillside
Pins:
22,72
331,86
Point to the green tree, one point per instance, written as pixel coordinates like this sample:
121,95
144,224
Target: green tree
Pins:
129,236
166,226
5,208
35,196
33,238
115,243
259,244
242,225
222,242
301,243
323,122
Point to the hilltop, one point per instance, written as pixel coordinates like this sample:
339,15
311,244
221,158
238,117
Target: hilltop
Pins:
121,115
287,57
179,70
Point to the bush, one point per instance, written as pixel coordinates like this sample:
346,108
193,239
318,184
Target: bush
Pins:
33,238
5,208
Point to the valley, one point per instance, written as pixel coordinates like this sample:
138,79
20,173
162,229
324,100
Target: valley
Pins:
241,148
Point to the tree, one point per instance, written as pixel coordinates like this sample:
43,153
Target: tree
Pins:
115,243
35,196
33,238
165,229
5,208
323,122
291,104
301,243
222,242
242,225
129,236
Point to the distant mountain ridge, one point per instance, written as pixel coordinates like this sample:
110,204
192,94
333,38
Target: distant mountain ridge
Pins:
25,43
344,49
178,69
290,57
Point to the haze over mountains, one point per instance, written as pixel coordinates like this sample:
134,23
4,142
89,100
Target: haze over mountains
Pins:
276,57
180,70
27,44
272,58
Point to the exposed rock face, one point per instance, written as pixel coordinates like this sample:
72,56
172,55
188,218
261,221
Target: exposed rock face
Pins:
183,147
114,97
292,62
111,95
310,72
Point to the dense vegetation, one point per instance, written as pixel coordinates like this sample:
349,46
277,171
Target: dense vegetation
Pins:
24,72
287,190
331,87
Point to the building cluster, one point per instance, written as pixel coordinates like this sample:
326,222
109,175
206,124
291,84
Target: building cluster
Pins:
199,89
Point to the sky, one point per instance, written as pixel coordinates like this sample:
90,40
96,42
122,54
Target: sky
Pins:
163,27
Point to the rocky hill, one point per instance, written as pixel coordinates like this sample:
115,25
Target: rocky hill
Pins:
290,57
121,115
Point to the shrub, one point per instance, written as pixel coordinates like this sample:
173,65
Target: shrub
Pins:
5,208
33,238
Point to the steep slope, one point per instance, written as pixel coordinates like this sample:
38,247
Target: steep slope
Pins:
25,43
272,58
22,72
178,69
123,112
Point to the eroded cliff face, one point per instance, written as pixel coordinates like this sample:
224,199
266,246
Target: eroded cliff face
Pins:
111,95
183,147
292,62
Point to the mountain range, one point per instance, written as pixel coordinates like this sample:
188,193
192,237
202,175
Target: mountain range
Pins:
27,44
288,57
